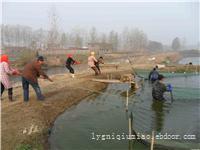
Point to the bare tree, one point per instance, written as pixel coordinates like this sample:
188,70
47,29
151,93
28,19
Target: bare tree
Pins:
134,39
63,40
176,44
103,38
93,35
125,39
53,32
113,39
77,37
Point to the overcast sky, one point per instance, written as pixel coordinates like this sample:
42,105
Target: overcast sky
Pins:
161,21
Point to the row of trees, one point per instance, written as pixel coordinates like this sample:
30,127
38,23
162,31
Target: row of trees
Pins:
129,39
23,36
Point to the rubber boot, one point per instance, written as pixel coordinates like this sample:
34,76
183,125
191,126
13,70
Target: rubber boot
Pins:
10,94
10,97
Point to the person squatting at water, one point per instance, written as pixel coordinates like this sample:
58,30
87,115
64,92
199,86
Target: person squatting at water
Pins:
70,61
6,71
91,63
32,71
159,88
99,61
153,75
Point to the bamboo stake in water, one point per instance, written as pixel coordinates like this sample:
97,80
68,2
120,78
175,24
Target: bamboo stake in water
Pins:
127,100
172,98
129,126
196,70
152,140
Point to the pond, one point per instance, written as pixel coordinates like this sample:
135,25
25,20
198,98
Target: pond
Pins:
53,71
187,60
84,126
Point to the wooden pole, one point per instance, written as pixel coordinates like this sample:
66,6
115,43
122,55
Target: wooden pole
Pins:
131,116
126,100
152,140
196,70
130,127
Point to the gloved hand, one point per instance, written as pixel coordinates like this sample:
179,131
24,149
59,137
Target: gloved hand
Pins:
169,88
77,63
16,72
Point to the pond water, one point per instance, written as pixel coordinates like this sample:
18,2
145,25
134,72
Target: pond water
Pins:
187,60
54,70
80,127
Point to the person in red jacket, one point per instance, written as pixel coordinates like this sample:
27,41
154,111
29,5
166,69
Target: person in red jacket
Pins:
6,71
69,62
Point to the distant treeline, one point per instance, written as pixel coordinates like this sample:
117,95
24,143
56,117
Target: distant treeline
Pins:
130,39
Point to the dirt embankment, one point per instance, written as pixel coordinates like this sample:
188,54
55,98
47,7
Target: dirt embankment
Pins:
149,61
29,123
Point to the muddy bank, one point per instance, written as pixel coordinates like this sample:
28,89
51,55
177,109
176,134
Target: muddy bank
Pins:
29,123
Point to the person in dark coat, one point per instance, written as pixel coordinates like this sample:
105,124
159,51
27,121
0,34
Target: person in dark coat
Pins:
32,71
69,62
99,61
159,88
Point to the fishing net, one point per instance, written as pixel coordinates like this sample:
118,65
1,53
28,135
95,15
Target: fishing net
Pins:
144,74
179,116
186,93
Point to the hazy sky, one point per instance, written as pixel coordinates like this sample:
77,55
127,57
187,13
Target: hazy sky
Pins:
161,21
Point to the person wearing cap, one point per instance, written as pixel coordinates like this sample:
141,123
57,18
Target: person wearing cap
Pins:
159,88
70,61
6,71
91,63
153,75
32,71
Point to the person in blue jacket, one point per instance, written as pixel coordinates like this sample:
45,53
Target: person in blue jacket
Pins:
153,75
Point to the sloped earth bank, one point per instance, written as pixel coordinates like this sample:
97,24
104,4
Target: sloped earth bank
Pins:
30,123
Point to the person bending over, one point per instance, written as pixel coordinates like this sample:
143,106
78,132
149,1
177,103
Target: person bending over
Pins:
69,62
32,71
99,61
159,88
91,63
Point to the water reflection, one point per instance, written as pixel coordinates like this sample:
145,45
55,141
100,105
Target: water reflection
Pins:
157,108
105,113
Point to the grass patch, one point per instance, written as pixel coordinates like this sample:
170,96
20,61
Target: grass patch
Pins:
24,147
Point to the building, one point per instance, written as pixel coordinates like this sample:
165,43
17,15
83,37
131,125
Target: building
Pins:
100,48
64,51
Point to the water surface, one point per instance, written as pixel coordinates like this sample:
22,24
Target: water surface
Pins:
106,114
